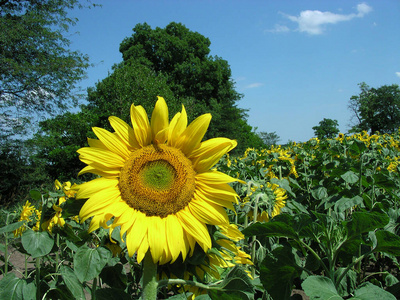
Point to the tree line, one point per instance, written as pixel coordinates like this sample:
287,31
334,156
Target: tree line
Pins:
39,76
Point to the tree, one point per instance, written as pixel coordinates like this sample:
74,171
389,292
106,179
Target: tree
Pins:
194,77
38,72
327,128
376,109
269,138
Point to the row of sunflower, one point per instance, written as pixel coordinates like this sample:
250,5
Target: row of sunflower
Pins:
169,214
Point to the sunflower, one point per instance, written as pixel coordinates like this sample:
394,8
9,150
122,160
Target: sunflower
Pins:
26,213
156,183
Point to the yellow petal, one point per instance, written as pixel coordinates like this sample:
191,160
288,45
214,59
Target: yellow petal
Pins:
96,143
107,173
208,213
156,237
224,201
210,152
195,228
136,234
98,203
112,142
124,131
87,189
106,158
223,191
193,134
177,127
215,177
141,125
175,239
159,118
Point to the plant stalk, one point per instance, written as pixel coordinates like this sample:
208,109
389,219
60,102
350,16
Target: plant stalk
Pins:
149,279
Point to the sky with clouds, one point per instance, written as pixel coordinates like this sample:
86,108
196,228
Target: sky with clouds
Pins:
295,62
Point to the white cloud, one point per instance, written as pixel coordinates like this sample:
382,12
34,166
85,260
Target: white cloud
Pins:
313,21
279,29
398,74
254,85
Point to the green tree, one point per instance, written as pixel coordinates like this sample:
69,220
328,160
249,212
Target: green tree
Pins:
38,71
376,109
193,75
269,138
327,128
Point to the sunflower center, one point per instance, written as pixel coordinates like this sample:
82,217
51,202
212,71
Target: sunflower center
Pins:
157,180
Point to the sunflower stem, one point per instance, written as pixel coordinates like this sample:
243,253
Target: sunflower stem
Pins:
149,279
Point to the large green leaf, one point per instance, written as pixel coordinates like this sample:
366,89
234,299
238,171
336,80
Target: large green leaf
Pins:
369,291
279,229
350,177
278,271
113,294
37,243
362,222
387,242
11,287
72,282
11,227
344,204
88,262
319,287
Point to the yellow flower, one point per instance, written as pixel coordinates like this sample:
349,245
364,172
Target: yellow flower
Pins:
26,213
156,182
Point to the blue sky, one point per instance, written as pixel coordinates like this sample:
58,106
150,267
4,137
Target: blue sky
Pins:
295,62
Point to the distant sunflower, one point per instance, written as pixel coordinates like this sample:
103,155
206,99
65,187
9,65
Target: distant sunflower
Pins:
156,182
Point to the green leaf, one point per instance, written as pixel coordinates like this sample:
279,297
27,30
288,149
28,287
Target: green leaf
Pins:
35,195
72,282
11,287
29,291
363,222
231,295
319,193
319,287
279,229
387,242
37,243
348,282
278,271
369,291
89,262
11,227
114,276
344,204
350,177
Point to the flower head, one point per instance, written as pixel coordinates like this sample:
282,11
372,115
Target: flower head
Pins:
156,182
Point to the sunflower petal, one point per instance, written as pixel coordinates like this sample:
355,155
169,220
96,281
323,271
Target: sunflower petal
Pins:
124,131
112,142
210,152
159,119
85,190
193,134
175,240
177,127
195,228
208,213
215,177
156,237
141,125
136,234
106,158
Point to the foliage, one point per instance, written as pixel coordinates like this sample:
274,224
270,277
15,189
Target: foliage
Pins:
376,109
327,128
38,71
269,138
321,216
182,56
332,237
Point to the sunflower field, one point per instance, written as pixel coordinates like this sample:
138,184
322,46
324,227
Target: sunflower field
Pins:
313,220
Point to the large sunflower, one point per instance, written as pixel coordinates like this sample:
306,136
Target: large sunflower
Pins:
156,182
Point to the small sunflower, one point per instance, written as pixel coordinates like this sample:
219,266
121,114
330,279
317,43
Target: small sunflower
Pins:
26,213
156,182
